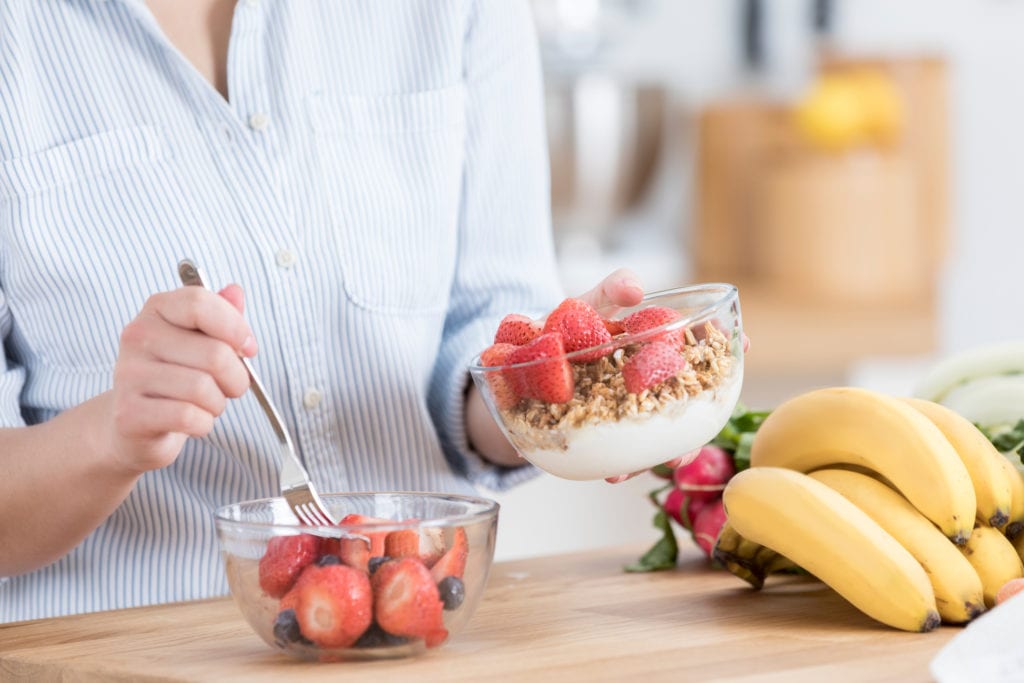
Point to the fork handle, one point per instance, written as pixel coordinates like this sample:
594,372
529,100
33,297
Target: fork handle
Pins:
190,275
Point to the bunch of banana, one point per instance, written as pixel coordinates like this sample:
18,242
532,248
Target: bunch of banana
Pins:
901,505
748,560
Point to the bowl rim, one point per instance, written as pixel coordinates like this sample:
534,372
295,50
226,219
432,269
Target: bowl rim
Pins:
490,509
730,292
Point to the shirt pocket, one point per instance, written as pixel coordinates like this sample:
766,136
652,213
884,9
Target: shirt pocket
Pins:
391,168
89,157
88,229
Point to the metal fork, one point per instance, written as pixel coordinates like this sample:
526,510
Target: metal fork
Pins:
296,487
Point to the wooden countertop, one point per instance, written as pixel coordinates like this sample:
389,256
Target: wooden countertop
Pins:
561,618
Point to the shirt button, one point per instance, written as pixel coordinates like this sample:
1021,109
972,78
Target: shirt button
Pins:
259,121
286,258
311,399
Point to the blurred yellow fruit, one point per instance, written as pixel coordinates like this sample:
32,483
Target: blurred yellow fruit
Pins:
845,110
882,105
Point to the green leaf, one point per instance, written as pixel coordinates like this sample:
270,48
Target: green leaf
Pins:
663,554
738,433
1006,439
741,458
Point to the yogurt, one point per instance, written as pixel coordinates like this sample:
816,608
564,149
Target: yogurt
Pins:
611,448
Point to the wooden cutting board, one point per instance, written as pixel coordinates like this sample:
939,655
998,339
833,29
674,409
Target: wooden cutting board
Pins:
567,618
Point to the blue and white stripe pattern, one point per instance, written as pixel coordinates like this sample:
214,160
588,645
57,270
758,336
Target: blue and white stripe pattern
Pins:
377,184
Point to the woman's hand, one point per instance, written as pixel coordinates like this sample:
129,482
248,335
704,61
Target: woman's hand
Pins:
619,290
177,366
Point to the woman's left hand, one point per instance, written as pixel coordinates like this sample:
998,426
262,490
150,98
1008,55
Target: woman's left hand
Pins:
622,289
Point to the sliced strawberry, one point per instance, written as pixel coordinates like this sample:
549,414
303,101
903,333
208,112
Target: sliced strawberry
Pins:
334,605
581,327
504,393
376,538
402,543
517,329
330,546
453,562
651,317
650,366
614,327
431,544
549,380
284,560
355,552
406,601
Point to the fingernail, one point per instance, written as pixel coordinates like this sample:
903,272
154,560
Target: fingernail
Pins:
249,347
632,283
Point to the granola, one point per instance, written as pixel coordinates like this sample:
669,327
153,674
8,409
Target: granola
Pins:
600,393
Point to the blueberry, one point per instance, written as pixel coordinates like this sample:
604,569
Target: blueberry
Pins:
286,629
376,562
327,560
375,636
453,592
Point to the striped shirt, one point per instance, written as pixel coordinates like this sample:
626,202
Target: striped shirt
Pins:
377,182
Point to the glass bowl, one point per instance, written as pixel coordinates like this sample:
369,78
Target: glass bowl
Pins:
402,572
662,386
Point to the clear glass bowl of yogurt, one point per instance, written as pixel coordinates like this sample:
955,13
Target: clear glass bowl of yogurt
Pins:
662,384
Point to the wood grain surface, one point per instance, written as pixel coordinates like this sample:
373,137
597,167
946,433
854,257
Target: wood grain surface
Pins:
564,618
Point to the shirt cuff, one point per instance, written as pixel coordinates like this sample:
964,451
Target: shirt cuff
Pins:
447,402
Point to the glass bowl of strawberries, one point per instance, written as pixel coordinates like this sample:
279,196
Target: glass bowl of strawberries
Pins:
589,394
400,574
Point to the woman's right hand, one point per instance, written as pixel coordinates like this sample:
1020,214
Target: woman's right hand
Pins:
177,366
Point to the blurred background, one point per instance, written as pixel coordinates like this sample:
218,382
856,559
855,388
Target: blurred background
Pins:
856,167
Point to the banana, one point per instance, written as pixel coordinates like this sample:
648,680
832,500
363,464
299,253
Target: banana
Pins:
819,530
745,559
991,487
995,559
1015,525
866,428
959,594
1004,358
1018,545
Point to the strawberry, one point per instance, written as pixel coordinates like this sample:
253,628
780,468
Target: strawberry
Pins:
549,380
651,365
453,562
355,552
516,329
581,327
554,319
334,605
362,521
614,327
504,393
402,543
284,560
330,546
431,544
651,317
406,601
357,549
